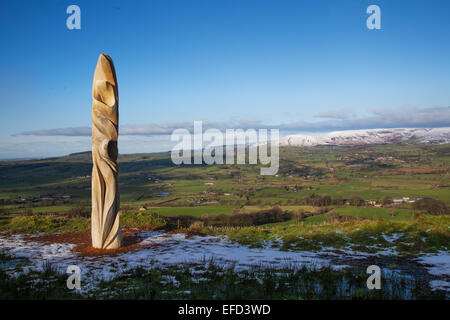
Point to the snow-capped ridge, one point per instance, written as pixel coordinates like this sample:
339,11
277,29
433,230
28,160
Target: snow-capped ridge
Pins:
370,136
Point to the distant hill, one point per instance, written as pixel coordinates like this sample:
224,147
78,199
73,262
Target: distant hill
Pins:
370,136
81,153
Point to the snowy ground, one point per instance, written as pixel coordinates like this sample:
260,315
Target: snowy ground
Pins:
175,248
438,265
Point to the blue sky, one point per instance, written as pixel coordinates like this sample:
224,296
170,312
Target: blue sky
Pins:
303,66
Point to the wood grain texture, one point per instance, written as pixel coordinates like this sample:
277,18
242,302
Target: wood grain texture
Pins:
105,191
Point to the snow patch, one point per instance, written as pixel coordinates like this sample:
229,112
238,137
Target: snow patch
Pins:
166,249
437,264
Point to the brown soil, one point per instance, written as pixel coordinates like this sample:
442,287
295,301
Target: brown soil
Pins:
130,241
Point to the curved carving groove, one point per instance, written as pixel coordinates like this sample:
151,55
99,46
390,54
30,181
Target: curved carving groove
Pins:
105,191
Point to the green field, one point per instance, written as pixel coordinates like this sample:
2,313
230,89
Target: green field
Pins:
377,213
192,211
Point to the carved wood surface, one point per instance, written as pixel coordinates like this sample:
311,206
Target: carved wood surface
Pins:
105,191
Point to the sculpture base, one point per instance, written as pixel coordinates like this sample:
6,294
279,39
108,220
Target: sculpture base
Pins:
113,241
116,244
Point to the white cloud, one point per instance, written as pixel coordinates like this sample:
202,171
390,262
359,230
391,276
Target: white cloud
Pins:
156,137
381,118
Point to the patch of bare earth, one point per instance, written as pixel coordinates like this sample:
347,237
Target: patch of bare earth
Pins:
131,240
